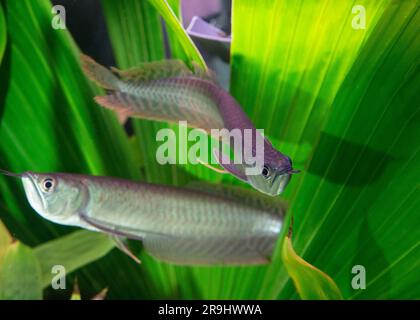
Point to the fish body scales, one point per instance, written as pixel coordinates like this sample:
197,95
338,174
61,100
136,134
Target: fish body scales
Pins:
175,211
183,226
178,98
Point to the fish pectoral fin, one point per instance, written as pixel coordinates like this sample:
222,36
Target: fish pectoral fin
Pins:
209,166
236,170
119,241
118,230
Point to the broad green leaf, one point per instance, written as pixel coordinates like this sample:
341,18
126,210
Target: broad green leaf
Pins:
310,282
316,84
20,274
174,34
135,31
3,33
172,21
72,251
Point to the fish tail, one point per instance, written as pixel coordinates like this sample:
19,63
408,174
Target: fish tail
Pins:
99,74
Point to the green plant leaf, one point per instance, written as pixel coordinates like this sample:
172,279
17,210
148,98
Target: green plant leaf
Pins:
135,31
167,12
175,45
5,240
310,282
316,84
3,33
20,274
72,251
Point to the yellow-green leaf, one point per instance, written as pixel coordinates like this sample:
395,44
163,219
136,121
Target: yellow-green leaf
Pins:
3,34
20,274
5,240
172,21
72,252
310,282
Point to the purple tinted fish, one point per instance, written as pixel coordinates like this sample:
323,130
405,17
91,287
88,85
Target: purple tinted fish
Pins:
169,91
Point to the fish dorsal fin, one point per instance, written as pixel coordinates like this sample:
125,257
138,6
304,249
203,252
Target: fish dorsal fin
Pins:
202,73
247,196
155,70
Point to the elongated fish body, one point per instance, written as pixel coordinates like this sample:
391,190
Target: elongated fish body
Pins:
169,91
176,225
157,98
203,101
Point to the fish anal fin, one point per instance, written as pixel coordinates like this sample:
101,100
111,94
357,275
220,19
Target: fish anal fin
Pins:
113,103
119,241
209,166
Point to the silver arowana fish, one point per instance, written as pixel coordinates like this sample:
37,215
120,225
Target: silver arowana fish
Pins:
176,225
169,91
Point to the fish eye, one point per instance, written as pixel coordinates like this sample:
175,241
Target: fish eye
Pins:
48,184
266,172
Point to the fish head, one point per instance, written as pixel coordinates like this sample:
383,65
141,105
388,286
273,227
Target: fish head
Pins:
56,197
274,175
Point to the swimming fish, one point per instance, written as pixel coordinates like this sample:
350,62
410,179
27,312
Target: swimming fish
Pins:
176,225
169,91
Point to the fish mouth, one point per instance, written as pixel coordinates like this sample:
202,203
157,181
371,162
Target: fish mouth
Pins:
279,183
272,187
33,194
